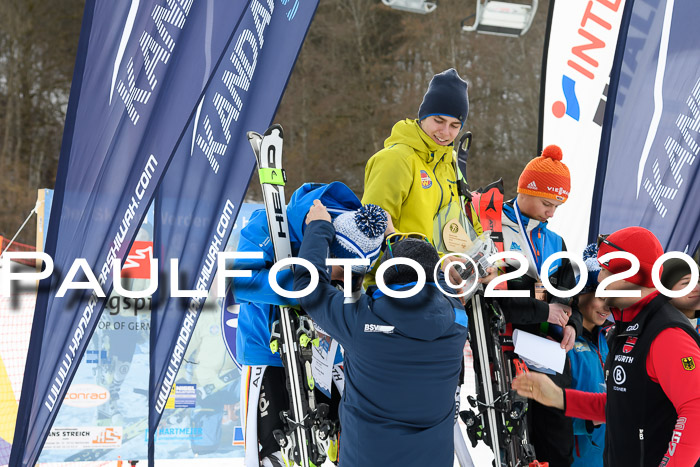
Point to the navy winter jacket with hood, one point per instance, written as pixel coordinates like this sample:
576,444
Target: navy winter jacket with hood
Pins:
402,363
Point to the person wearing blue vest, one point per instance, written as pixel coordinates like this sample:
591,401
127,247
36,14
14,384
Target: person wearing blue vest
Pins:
263,393
402,355
587,362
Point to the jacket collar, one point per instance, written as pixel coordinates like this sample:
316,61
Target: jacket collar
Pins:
529,224
631,313
410,133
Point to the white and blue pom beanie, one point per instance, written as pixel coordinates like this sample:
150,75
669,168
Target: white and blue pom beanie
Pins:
446,95
590,259
360,234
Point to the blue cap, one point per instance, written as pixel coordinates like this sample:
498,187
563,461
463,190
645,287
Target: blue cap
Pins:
446,95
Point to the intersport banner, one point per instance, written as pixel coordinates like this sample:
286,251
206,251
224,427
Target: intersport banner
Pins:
579,52
140,70
205,184
648,173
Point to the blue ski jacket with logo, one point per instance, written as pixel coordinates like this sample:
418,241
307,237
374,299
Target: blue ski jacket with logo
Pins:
587,361
402,363
258,301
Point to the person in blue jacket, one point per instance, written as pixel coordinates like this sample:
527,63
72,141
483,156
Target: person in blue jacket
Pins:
402,355
587,361
263,393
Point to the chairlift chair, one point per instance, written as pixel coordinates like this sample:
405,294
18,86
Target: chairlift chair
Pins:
502,18
414,6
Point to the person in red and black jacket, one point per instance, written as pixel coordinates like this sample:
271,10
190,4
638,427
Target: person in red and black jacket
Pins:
652,403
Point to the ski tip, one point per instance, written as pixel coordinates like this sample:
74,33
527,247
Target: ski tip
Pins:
273,127
255,140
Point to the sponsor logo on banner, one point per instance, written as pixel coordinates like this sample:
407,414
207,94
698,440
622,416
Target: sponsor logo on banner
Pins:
580,55
238,437
182,396
570,107
593,39
108,438
217,112
177,434
425,180
155,48
86,437
96,357
86,395
138,263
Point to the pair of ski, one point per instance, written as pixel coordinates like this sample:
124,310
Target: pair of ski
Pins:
306,435
499,418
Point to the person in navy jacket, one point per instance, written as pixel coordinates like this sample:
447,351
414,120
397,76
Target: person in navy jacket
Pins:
263,395
402,355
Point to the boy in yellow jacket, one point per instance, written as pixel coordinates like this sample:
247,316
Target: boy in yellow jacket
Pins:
414,177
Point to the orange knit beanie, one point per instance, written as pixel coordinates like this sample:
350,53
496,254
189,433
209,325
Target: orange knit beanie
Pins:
546,176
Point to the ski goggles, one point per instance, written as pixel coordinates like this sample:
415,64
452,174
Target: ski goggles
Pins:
603,240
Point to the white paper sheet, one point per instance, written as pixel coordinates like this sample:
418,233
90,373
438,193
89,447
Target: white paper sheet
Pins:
539,353
322,362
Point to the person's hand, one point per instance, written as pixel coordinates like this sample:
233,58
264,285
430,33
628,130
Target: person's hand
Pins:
492,273
389,225
337,273
317,212
569,337
559,314
454,277
539,387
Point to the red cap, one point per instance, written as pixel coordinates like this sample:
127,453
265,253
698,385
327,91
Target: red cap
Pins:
635,240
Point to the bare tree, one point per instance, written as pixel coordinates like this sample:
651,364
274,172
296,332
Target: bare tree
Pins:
362,68
39,41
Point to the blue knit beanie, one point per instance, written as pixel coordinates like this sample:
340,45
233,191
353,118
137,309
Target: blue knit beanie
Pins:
446,95
422,252
360,234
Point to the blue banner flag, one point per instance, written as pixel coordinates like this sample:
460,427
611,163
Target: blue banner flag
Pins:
205,184
140,71
648,169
